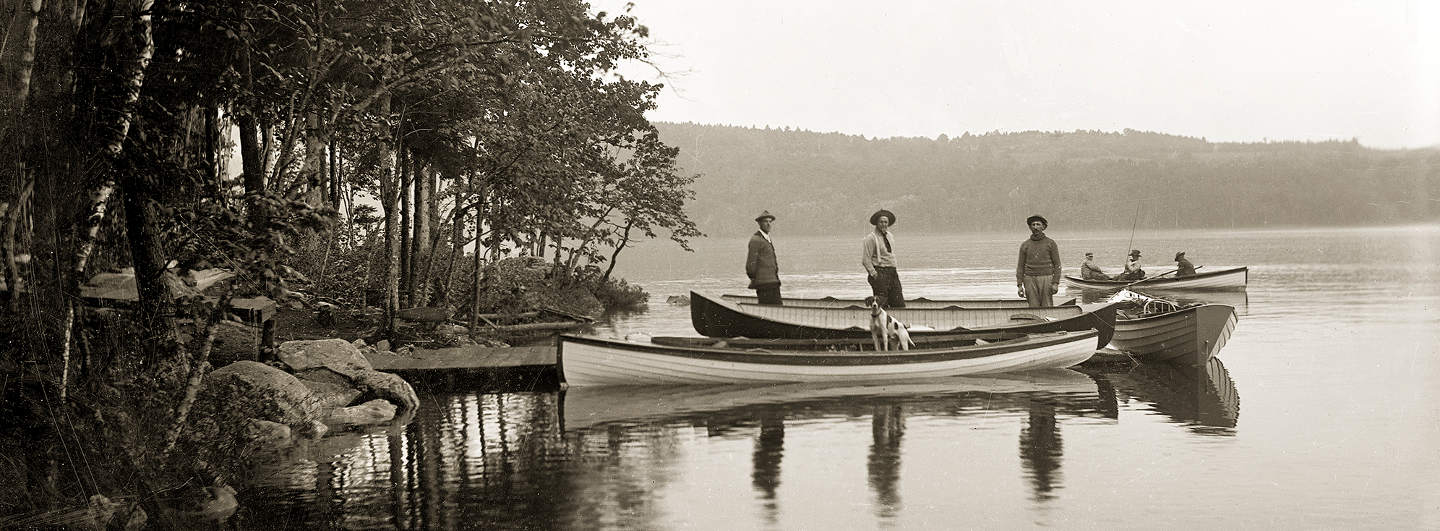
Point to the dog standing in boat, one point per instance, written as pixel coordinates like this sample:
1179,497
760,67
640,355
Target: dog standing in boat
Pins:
883,327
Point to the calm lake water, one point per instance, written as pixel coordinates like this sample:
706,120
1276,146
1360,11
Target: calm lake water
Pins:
1323,414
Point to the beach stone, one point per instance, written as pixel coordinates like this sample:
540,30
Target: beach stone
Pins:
335,354
376,411
376,384
383,345
261,391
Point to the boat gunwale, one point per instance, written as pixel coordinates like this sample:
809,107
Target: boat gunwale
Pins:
1152,282
847,358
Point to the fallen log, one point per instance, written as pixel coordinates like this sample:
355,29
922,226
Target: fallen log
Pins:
530,327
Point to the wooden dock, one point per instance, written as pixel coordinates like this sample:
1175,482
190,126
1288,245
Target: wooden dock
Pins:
465,358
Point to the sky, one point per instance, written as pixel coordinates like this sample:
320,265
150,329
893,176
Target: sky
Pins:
1226,71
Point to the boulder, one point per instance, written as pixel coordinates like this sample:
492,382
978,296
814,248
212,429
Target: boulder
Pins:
261,391
262,435
331,394
335,354
376,384
373,412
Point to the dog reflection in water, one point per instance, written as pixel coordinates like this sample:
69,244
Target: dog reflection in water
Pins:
883,327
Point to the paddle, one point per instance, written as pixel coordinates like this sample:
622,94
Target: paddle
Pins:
1157,277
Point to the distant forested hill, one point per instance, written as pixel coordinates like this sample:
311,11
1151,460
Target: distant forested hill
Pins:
818,182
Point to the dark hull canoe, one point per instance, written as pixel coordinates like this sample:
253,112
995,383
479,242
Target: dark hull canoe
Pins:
586,361
1188,336
1226,279
919,303
714,317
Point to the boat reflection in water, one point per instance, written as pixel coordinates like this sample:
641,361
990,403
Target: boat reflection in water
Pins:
725,409
1204,398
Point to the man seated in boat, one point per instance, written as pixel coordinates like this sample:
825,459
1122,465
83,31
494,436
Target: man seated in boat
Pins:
1133,271
1183,267
1090,271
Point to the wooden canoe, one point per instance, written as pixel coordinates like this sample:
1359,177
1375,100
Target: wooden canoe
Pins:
1187,336
919,303
1225,279
585,361
961,339
714,317
584,407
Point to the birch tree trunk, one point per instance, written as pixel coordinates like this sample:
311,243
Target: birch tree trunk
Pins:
112,142
420,241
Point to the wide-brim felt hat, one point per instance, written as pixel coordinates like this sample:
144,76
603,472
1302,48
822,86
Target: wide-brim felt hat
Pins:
1179,255
875,218
765,215
1134,252
1035,218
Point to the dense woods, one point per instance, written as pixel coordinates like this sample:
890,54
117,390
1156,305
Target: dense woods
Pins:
384,152
1081,180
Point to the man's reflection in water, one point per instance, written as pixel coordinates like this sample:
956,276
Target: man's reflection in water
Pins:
1041,449
769,448
886,428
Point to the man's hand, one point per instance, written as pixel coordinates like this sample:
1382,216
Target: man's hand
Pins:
1054,288
1020,288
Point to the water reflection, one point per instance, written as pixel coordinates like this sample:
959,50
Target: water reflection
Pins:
887,427
603,457
1205,398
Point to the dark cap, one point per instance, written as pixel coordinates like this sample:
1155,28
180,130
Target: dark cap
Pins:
1134,252
1179,255
875,218
1035,218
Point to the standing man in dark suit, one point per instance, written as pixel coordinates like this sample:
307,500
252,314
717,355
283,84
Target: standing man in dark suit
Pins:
760,263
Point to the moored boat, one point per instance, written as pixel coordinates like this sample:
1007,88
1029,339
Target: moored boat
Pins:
585,361
1163,331
918,303
714,317
1225,279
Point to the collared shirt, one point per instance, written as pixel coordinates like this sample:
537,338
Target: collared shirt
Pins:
767,237
875,253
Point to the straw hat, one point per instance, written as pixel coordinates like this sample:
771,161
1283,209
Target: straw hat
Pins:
875,218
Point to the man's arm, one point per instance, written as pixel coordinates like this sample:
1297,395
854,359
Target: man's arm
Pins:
1020,266
867,255
752,258
1055,259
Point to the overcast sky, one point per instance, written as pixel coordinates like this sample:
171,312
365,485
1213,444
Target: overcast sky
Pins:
1231,71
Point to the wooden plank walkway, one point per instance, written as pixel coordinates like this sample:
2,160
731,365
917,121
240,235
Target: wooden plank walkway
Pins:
467,357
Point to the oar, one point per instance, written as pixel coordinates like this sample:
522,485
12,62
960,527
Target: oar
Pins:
1157,277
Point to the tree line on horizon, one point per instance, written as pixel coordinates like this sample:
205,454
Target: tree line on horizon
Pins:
1087,180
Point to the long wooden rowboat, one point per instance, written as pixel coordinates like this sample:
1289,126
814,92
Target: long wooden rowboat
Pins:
1187,336
591,361
960,339
714,317
920,303
1225,279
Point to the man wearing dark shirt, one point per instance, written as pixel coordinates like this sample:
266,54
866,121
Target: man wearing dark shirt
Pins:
1037,274
1183,267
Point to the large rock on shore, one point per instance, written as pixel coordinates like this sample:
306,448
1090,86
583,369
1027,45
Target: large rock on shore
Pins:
335,354
262,392
373,412
376,384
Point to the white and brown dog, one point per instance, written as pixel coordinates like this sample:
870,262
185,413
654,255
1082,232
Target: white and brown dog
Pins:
883,327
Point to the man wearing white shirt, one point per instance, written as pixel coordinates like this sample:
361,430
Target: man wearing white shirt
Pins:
877,255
